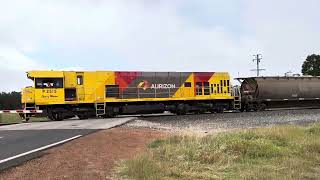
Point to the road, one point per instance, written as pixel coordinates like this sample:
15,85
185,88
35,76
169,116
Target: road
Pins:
22,142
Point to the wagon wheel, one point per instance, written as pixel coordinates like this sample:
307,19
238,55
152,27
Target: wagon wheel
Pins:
262,107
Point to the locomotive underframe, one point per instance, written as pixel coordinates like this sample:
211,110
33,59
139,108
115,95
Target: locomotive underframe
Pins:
263,104
88,110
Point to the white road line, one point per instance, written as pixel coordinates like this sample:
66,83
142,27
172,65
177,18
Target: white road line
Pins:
1,137
39,149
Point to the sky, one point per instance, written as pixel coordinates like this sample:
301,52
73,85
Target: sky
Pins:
155,35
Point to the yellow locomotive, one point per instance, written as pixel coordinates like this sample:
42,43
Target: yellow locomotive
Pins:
66,94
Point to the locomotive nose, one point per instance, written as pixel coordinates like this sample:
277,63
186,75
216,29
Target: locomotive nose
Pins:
27,95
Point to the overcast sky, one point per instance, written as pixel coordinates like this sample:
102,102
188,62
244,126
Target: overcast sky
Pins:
155,35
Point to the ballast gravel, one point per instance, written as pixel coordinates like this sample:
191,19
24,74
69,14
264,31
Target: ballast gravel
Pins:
220,122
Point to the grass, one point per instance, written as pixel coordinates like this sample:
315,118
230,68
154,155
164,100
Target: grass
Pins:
9,118
15,118
283,152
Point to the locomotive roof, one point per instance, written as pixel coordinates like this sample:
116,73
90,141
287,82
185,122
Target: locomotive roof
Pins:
52,73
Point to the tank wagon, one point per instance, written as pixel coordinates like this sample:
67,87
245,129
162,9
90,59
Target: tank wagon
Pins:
259,93
65,94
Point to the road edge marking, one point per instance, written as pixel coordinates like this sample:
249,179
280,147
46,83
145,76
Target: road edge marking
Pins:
39,149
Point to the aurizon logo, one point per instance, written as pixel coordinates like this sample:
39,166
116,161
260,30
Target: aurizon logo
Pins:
144,85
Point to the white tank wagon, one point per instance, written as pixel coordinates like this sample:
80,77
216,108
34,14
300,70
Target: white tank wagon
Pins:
259,93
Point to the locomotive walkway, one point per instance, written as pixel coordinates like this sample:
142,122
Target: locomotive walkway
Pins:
22,142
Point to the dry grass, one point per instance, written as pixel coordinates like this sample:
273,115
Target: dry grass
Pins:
283,152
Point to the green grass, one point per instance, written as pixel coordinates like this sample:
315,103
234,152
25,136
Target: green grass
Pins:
283,152
9,118
15,118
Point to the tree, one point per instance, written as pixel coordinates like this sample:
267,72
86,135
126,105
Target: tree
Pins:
10,100
311,65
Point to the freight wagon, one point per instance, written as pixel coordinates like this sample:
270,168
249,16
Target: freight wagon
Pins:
259,93
66,94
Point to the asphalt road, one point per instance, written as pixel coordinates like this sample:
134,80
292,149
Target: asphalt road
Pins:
22,142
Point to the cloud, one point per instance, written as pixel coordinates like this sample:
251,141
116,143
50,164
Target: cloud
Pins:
165,35
13,67
287,31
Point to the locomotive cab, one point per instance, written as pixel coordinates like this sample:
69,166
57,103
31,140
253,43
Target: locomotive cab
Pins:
48,88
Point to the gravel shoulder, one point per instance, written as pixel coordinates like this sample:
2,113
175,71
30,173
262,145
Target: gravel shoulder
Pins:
90,157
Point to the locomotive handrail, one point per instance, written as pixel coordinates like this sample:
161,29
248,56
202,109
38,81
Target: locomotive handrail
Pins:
140,93
135,92
132,92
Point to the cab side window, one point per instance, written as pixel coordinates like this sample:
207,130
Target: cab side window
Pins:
187,84
198,88
80,80
206,88
49,83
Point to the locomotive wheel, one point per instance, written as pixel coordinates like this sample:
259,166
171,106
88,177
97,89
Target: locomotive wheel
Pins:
182,109
220,110
83,116
50,116
201,111
55,116
109,114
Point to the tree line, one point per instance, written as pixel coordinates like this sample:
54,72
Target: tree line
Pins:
10,100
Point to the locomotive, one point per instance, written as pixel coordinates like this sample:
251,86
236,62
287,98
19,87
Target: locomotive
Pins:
66,94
